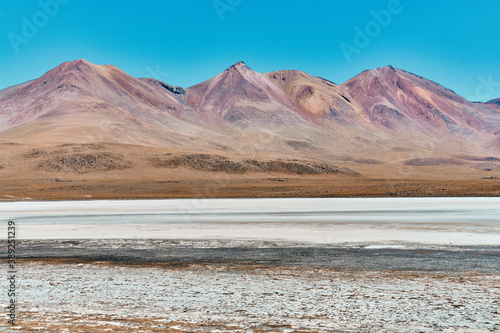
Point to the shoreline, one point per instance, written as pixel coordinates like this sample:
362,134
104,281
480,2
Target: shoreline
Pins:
153,198
136,198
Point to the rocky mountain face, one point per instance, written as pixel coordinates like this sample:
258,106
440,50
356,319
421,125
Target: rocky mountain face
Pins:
494,101
397,99
385,112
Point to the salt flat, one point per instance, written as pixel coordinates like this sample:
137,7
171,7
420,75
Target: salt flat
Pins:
98,297
467,221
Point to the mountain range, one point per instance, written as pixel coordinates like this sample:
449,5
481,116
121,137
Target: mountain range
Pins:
381,116
382,109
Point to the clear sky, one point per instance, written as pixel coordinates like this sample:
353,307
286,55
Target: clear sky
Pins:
455,43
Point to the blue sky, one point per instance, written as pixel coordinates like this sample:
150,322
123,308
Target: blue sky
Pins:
455,43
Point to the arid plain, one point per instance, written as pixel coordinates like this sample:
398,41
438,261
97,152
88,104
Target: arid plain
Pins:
106,171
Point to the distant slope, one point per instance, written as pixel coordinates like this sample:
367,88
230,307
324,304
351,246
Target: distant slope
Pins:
494,101
395,98
315,98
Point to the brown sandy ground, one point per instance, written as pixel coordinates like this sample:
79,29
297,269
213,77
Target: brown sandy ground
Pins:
251,298
106,171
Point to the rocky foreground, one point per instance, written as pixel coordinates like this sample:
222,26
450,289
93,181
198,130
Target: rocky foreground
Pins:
226,286
100,297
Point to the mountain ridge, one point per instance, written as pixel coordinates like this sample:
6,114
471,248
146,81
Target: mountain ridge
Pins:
383,109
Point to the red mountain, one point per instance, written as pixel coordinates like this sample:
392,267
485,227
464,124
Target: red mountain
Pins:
81,102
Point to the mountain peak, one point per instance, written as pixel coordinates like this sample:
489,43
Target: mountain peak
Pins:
71,66
71,71
386,70
81,75
76,63
382,73
239,65
80,62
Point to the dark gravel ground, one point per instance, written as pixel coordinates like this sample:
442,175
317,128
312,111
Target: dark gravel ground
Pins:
214,252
